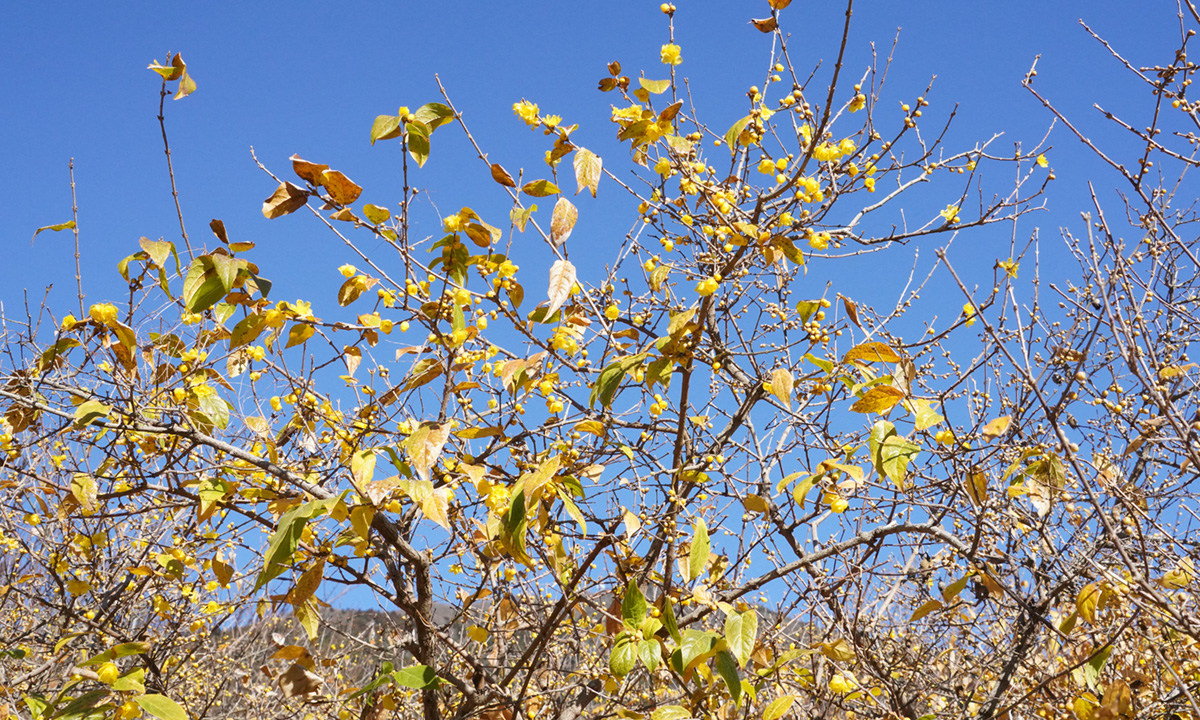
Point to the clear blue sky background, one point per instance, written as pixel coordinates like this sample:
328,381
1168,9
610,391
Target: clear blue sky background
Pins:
309,78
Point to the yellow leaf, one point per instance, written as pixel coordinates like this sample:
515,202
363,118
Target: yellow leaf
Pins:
425,445
879,399
1088,601
838,650
632,523
755,504
955,588
996,428
778,707
1183,574
871,352
925,609
782,385
83,488
1171,371
563,221
976,486
477,633
341,189
779,4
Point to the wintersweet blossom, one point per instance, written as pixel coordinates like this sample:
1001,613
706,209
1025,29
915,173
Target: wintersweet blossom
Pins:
670,55
527,111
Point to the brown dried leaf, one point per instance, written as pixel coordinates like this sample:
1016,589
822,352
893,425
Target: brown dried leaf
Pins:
286,199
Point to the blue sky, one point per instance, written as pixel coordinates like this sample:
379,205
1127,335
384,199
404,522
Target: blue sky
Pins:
308,78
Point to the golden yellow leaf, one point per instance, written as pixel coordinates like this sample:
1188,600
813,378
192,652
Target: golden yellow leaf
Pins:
838,650
871,352
341,190
996,428
1087,603
925,609
879,399
765,25
782,385
976,486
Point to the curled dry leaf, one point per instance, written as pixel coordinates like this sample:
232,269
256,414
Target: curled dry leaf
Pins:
765,25
500,175
287,199
308,171
563,221
298,680
562,279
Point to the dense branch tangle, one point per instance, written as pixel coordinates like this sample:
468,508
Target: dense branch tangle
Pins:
688,485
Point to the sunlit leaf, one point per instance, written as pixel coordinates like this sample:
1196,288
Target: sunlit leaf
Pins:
69,225
701,547
587,170
562,279
540,188
879,399
563,221
286,199
500,175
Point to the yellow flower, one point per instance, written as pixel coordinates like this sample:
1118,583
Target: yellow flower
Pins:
950,213
527,111
663,167
969,313
612,312
347,270
826,152
858,103
869,183
842,684
68,322
1042,162
670,55
766,166
706,287
103,313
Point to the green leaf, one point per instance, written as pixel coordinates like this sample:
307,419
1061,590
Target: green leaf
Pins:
383,678
734,132
285,540
695,645
434,115
650,652
656,87
520,215
90,412
213,409
895,455
247,330
727,667
162,707
418,142
69,225
417,677
134,681
117,651
701,547
633,607
741,629
669,621
605,387
623,657
203,286
540,188
385,127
